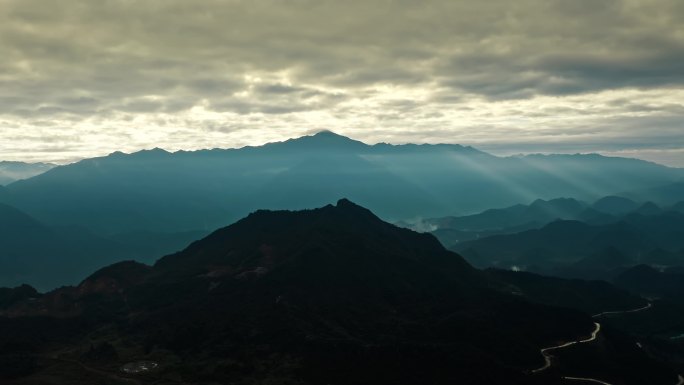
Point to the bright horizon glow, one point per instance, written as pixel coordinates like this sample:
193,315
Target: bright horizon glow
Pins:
81,79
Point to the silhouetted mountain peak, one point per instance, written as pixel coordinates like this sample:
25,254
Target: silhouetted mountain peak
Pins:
147,154
323,140
345,236
154,152
346,205
329,134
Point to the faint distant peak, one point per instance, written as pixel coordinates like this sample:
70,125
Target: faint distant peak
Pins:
615,199
430,146
648,208
615,205
10,163
583,157
148,153
12,171
155,150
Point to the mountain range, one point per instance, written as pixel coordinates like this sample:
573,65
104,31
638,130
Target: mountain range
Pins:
158,191
146,204
332,295
607,210
580,242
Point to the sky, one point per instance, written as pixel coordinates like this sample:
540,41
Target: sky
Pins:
82,78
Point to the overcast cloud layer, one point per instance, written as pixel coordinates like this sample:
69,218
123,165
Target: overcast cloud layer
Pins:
85,78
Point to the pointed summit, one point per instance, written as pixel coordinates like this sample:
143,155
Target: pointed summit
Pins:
327,137
350,208
328,133
323,140
344,202
279,241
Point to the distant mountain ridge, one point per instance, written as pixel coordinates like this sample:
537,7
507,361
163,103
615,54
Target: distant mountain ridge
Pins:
580,249
14,171
608,210
155,190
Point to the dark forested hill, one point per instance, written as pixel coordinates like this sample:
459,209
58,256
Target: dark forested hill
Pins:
326,296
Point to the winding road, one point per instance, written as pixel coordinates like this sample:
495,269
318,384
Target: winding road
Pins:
591,380
547,355
597,328
650,305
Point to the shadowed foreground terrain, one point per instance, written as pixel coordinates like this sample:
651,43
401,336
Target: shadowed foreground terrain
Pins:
326,296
